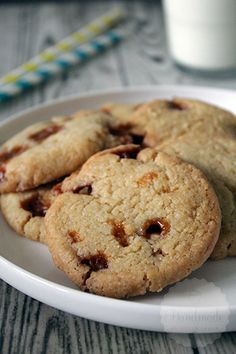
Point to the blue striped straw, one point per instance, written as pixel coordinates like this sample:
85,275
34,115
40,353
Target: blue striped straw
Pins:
85,34
61,64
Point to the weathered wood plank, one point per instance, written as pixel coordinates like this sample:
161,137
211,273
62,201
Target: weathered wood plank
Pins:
30,326
27,326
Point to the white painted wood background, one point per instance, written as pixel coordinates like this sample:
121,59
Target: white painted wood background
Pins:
26,325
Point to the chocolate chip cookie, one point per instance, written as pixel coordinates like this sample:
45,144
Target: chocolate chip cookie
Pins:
25,211
48,150
120,111
132,221
215,156
168,119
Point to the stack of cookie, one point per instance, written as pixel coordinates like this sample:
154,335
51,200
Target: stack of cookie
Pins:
128,198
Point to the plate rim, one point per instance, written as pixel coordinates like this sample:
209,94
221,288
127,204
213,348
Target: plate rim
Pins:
126,302
112,91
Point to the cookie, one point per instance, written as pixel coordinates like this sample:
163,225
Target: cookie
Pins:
25,211
132,221
120,111
160,120
46,151
216,157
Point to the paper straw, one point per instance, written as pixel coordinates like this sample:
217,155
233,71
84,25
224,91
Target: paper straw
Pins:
85,34
62,63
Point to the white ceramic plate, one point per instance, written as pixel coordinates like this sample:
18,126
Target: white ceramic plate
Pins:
205,302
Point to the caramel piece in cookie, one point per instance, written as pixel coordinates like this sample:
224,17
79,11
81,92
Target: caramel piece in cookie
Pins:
123,113
124,239
48,150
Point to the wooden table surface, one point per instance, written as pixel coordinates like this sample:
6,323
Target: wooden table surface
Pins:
26,325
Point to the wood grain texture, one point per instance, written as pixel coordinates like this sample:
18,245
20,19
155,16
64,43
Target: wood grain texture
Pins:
26,325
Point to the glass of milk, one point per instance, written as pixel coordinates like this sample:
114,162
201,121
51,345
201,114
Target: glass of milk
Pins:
202,33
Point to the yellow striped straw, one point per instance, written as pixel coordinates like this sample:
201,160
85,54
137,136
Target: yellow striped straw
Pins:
85,34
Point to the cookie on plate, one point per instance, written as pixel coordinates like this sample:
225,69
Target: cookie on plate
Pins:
25,211
168,119
132,221
216,157
46,151
120,111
